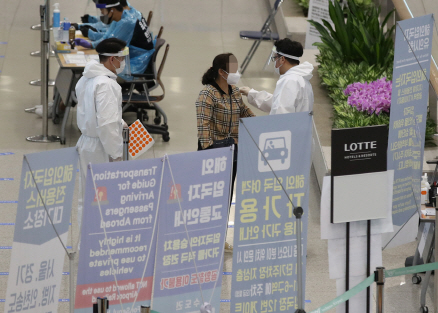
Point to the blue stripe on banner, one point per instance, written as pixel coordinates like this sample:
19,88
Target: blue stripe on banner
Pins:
227,273
8,201
64,300
5,247
11,224
77,170
3,42
7,273
6,153
2,56
230,226
2,300
69,247
225,300
307,301
6,179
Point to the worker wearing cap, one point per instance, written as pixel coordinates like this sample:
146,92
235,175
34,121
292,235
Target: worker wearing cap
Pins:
293,92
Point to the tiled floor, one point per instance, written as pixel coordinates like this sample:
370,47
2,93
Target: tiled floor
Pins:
196,30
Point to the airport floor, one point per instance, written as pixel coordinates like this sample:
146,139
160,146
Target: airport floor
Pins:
196,30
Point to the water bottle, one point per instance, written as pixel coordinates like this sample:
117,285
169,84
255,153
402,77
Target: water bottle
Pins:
56,21
66,28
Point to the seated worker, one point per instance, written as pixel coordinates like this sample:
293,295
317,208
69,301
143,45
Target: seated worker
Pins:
99,109
95,31
128,25
293,92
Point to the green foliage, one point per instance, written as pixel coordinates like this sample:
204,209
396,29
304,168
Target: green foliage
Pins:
361,4
360,37
337,75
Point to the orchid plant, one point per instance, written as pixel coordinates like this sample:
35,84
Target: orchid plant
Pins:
372,98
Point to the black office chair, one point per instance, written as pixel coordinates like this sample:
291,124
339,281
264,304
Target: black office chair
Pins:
138,99
264,34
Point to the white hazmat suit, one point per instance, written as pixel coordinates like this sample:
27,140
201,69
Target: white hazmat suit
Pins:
293,92
99,118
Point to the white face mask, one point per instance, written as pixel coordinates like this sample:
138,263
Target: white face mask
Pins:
233,78
121,68
277,69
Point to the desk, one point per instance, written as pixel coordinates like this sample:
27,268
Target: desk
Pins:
66,80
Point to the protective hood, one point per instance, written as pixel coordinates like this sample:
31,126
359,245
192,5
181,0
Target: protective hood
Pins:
304,69
94,69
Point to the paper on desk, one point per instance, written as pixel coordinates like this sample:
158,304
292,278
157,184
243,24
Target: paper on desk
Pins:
80,59
75,59
429,212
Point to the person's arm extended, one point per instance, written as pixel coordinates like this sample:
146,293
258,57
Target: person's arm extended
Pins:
260,99
109,127
204,116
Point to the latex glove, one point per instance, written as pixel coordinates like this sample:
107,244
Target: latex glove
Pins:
115,160
82,42
84,18
86,28
244,90
206,308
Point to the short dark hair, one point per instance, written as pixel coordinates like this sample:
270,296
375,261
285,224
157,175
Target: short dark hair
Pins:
123,3
290,47
221,61
110,45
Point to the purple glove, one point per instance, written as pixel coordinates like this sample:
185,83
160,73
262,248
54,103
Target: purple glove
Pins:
82,42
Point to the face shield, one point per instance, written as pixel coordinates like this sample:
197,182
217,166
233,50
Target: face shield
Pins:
121,62
103,11
277,54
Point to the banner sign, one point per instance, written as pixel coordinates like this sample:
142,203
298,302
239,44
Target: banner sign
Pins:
359,159
318,11
187,262
410,89
128,194
265,251
37,259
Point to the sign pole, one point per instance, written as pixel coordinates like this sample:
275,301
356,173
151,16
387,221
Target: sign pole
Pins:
71,257
368,263
347,265
298,212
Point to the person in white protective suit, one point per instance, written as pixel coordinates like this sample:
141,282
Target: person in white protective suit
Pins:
293,92
99,110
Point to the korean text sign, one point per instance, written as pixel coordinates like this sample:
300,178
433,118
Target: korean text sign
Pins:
37,255
202,183
128,196
407,125
265,250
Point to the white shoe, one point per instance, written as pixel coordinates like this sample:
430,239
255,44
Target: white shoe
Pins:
39,112
32,110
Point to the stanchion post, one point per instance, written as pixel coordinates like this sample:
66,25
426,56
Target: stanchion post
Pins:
298,212
125,144
145,309
101,305
380,282
71,257
436,260
45,48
